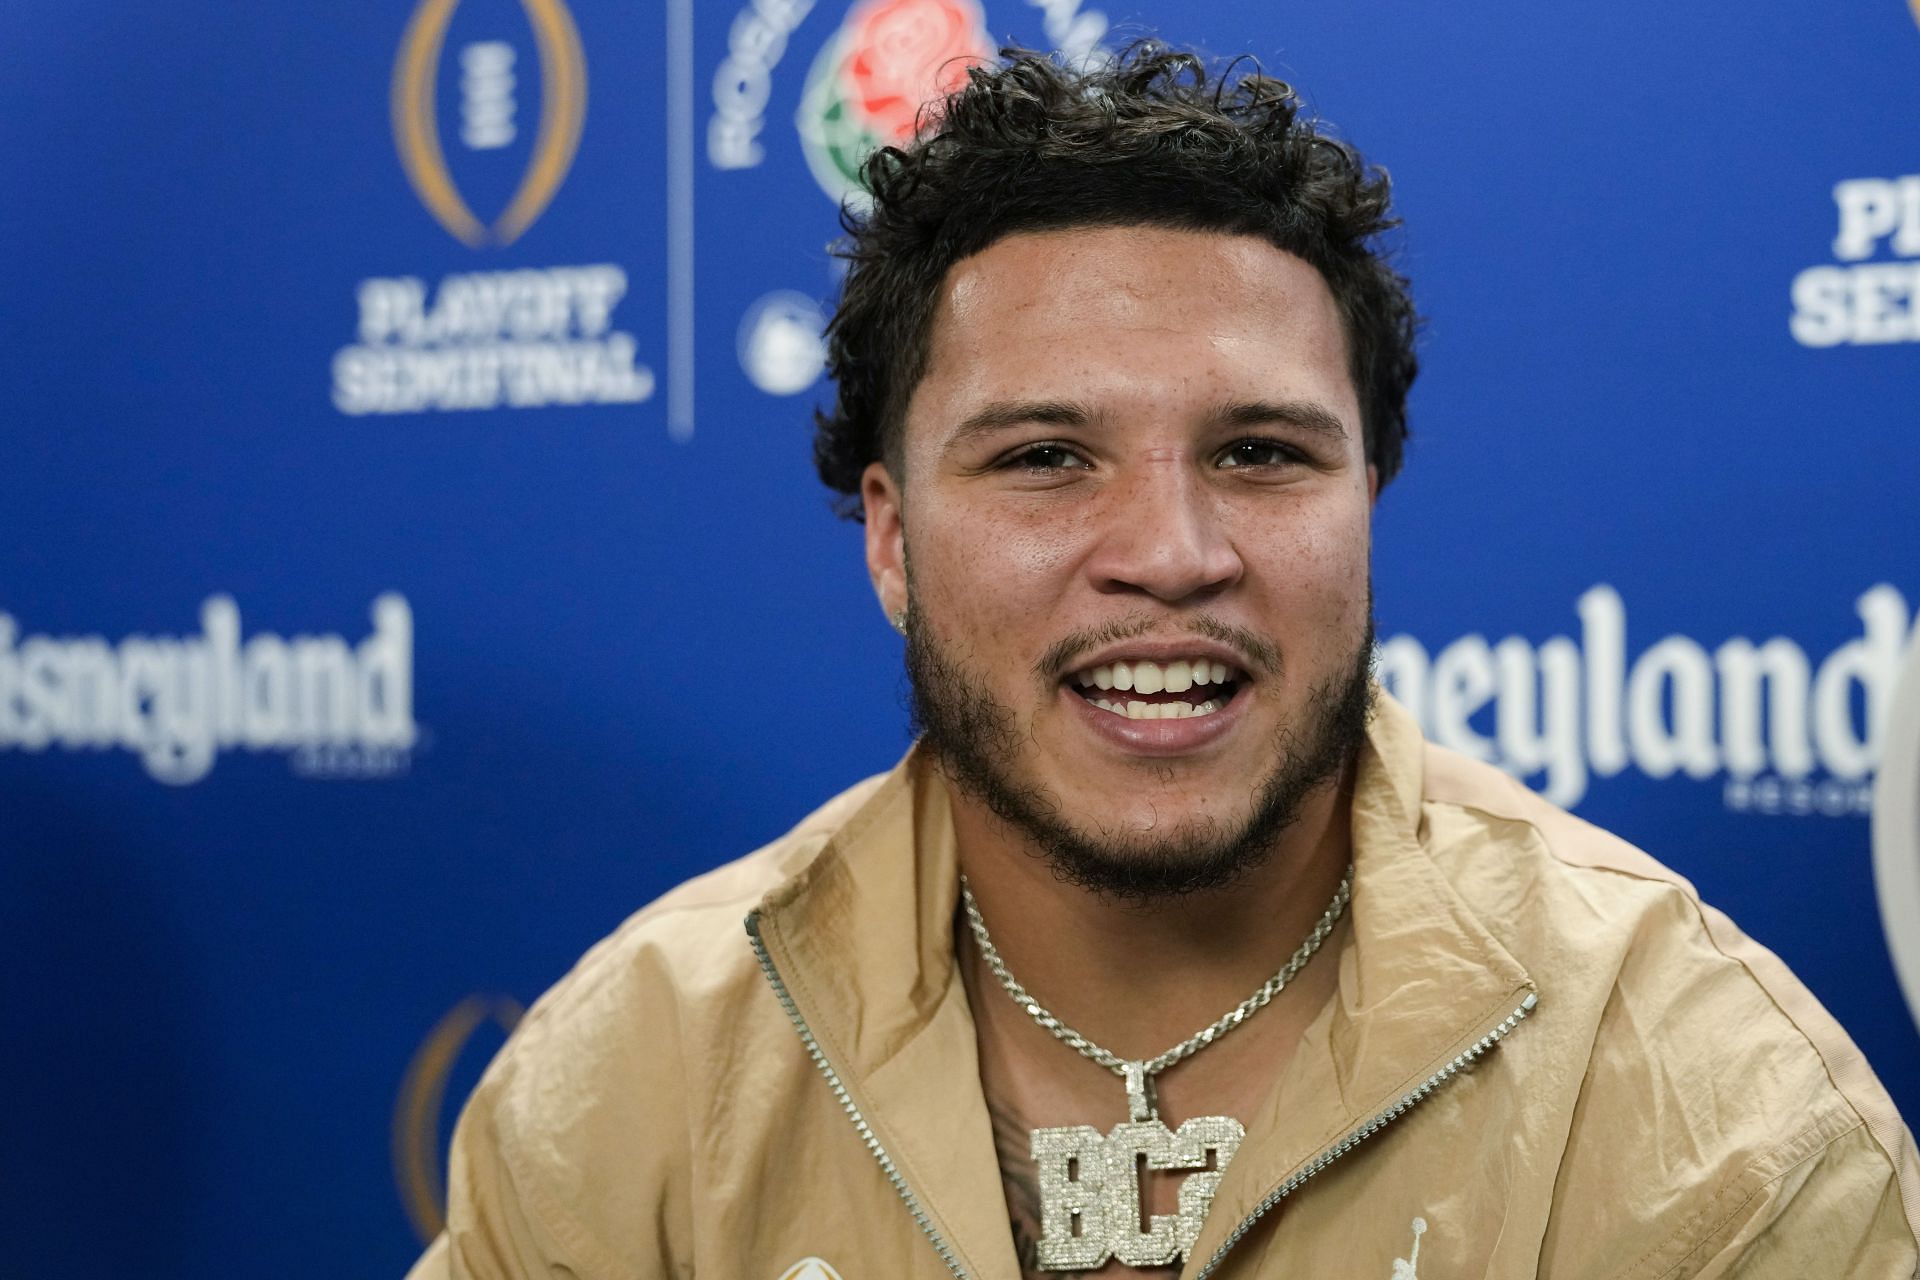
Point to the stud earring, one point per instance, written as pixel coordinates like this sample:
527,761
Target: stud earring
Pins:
899,620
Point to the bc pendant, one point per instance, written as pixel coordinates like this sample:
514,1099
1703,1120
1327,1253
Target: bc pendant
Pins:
1090,1190
1090,1183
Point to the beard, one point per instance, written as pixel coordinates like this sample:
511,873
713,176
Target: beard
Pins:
977,742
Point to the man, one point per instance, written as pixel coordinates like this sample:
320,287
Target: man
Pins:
1171,946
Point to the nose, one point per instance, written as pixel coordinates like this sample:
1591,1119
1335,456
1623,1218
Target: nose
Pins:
1163,535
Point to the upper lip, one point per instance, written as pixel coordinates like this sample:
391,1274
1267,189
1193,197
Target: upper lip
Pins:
1162,651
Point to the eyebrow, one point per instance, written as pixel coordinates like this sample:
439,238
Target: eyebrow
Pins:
1002,414
1304,414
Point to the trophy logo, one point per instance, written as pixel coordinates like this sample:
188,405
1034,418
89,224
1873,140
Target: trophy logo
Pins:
487,86
419,1165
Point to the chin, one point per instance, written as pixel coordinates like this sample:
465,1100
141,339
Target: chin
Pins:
1157,863
1153,826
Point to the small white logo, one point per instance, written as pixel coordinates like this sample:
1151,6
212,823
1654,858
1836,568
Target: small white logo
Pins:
782,342
810,1269
1409,1268
486,95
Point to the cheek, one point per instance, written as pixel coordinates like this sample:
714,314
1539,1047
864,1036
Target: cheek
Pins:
1041,557
1313,576
1321,553
991,564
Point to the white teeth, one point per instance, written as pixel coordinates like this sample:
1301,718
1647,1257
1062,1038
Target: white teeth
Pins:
1153,677
1134,709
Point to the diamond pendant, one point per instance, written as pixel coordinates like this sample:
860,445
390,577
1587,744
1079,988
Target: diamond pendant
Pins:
1090,1184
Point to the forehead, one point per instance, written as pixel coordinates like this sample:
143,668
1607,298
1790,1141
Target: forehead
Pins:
1143,314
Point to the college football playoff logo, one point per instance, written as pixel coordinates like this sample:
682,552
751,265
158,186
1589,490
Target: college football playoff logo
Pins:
416,130
419,1162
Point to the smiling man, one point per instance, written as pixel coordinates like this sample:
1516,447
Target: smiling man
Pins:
1171,946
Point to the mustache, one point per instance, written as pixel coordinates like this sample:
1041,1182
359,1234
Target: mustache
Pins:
1260,655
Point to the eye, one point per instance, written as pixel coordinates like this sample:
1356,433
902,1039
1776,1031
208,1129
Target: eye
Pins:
1259,453
1044,458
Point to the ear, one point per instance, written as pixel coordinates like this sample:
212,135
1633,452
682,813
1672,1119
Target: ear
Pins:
1373,486
886,538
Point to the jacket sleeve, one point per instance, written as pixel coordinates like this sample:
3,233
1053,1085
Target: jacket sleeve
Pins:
1836,1212
571,1160
492,1233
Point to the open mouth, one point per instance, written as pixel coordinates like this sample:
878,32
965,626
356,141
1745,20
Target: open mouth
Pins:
1143,690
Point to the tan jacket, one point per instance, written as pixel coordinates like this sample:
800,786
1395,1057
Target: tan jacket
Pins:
700,1097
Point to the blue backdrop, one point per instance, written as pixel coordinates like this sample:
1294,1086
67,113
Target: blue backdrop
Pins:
411,564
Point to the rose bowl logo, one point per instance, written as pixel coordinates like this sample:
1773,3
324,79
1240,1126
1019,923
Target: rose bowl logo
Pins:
867,85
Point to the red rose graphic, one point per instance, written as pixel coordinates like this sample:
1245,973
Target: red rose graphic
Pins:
908,52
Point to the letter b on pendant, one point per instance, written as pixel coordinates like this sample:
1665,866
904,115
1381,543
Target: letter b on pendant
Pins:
1071,1167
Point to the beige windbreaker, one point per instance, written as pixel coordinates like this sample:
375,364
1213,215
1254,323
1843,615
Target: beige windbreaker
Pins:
1545,1057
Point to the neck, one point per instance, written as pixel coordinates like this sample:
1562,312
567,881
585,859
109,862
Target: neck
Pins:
1138,978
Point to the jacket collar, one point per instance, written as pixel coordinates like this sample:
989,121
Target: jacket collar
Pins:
863,938
1420,979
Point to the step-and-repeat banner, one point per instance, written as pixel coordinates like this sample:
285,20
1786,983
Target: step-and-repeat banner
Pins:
410,561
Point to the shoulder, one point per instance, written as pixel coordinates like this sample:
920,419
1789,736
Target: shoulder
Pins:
583,1127
1600,917
1688,1053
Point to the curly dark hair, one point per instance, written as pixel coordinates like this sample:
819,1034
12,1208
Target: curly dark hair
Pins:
1148,138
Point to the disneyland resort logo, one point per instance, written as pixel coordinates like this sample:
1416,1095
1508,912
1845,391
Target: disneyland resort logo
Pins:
519,338
1776,725
338,708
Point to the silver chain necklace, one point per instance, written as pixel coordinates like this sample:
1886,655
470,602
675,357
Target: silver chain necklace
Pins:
1089,1182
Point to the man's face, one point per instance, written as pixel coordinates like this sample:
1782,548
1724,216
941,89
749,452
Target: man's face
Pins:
1135,459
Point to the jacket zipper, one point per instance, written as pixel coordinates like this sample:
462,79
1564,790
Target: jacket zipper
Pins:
847,1104
1354,1138
1380,1121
